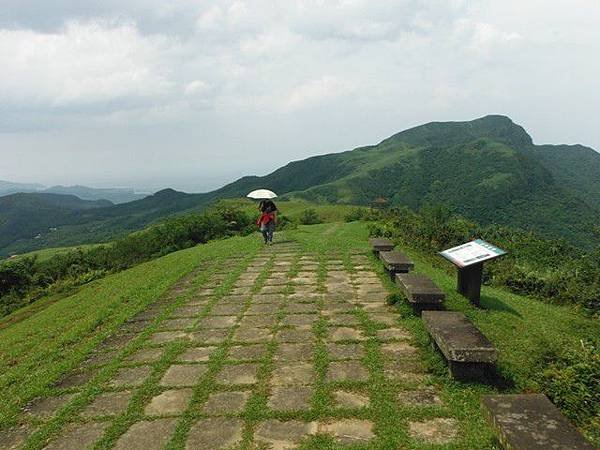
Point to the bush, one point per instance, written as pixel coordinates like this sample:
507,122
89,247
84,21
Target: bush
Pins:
26,279
572,382
549,269
310,217
357,214
285,223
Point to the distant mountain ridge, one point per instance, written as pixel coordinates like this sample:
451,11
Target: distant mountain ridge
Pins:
114,195
486,169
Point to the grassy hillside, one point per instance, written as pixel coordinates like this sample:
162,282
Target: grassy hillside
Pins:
89,226
38,350
574,166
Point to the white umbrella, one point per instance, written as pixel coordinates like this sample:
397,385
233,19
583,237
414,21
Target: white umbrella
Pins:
261,194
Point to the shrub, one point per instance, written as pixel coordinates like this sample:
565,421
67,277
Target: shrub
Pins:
26,279
310,217
572,382
357,214
549,269
285,223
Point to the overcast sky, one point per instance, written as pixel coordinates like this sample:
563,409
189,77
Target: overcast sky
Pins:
191,94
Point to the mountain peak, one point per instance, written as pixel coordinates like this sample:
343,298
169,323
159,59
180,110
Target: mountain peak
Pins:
496,127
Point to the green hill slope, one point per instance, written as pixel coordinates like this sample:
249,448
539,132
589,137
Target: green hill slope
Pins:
90,331
26,215
20,223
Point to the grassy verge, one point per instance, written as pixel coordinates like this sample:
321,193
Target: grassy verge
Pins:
37,351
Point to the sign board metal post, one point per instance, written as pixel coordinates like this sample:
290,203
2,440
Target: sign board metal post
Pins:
469,282
469,259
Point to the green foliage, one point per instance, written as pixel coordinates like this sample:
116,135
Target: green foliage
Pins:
358,214
310,217
285,223
572,381
393,299
23,280
550,269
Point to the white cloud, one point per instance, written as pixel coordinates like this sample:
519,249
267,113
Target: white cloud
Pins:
196,87
82,64
316,92
232,74
211,19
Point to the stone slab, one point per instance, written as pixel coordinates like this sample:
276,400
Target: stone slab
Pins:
295,352
434,431
218,322
346,334
381,245
215,433
349,431
419,289
76,379
290,398
146,355
395,261
130,376
247,352
419,397
295,335
300,319
183,375
345,399
252,335
47,407
147,435
107,404
14,438
347,371
345,351
196,354
169,403
163,337
279,435
210,336
295,373
530,422
458,339
226,402
78,436
238,374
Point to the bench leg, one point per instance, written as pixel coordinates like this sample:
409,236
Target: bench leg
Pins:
467,370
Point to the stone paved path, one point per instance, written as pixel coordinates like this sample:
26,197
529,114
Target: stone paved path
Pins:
264,353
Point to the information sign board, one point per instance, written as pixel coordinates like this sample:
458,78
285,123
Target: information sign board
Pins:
472,252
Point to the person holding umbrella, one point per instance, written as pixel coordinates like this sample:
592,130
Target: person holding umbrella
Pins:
268,213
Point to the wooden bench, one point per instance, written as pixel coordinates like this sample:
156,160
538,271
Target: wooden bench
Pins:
531,422
381,245
420,291
396,262
467,350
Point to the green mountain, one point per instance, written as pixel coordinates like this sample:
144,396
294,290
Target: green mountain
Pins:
487,169
26,215
31,221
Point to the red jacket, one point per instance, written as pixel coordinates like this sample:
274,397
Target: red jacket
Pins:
265,218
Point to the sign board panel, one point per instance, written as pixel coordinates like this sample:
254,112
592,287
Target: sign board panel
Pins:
472,253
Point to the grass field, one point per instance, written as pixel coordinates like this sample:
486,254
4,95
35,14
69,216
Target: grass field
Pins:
38,351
